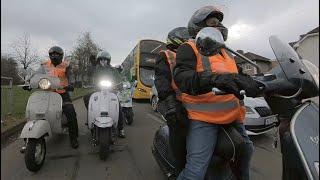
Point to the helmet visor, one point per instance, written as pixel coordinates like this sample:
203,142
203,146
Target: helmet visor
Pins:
104,61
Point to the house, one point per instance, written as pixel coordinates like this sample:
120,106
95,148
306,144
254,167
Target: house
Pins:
308,46
265,64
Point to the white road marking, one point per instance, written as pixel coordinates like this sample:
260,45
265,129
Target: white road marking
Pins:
155,118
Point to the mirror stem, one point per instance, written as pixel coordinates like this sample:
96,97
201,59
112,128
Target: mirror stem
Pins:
244,58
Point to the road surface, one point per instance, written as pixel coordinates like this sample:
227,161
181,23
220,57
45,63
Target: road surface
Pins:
131,158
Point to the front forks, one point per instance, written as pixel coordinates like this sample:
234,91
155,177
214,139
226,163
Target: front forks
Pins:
24,147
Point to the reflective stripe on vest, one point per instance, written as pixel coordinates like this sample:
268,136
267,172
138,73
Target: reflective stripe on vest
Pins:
171,59
58,71
218,109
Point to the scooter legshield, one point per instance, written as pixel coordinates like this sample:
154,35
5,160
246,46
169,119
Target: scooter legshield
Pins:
45,105
103,122
304,129
103,105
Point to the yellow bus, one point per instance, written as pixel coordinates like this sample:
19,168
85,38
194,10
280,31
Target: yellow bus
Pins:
139,66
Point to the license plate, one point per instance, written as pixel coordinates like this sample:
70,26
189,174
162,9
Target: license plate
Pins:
271,120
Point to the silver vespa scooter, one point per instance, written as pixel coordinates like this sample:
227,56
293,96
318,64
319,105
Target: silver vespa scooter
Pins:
103,115
44,118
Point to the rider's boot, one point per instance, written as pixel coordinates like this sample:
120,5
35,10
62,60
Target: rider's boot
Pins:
121,134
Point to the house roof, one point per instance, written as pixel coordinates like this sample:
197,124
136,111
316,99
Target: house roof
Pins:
315,30
251,56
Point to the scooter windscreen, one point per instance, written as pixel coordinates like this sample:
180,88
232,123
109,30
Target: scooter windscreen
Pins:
294,69
304,129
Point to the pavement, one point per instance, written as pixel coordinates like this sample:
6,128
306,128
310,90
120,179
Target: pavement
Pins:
131,158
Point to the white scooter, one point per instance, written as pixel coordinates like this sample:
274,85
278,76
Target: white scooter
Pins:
125,97
103,115
44,118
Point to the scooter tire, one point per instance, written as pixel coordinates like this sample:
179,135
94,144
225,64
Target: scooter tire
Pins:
129,119
30,154
105,141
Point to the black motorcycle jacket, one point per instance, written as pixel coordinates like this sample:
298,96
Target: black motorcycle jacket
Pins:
163,77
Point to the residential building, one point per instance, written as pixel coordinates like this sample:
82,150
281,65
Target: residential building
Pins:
264,63
308,46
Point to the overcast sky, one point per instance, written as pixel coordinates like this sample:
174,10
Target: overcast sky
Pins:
116,26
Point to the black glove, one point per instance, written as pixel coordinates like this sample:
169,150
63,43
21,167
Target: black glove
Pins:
227,83
28,88
69,88
246,83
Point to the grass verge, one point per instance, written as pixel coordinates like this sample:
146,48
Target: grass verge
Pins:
20,99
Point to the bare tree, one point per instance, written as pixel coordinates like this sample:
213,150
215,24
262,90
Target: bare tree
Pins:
84,49
24,54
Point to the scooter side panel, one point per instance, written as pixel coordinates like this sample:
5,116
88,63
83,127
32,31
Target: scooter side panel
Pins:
36,129
45,105
304,129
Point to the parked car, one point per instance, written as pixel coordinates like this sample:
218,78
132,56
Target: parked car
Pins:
259,117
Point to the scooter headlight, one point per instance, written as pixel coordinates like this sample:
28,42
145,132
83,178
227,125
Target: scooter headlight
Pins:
44,84
105,83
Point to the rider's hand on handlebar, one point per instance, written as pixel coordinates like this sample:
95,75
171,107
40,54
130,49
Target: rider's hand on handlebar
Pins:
246,83
227,83
28,88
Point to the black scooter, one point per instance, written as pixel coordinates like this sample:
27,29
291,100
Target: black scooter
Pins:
284,88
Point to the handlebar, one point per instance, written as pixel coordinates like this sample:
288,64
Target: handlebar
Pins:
221,92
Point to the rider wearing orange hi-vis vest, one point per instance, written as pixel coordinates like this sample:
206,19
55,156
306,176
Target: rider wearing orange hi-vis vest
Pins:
195,75
56,67
170,96
57,71
217,109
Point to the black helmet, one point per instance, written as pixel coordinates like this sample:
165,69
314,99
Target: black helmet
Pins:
197,21
103,58
56,55
176,37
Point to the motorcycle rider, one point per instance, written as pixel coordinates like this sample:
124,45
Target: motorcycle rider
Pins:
125,97
196,75
104,68
169,96
57,67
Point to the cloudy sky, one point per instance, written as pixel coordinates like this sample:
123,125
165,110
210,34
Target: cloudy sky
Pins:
118,25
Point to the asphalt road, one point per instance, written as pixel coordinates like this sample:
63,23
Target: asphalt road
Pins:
131,158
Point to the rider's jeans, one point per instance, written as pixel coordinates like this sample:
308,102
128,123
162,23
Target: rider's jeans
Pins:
201,140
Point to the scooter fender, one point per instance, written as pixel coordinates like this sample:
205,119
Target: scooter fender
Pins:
36,129
103,122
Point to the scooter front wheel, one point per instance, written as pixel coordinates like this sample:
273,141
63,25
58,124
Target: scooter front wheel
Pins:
105,141
35,154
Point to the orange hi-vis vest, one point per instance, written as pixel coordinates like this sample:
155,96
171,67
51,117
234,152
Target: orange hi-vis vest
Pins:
211,108
57,71
171,59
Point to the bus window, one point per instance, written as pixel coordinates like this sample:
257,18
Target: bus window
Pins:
146,76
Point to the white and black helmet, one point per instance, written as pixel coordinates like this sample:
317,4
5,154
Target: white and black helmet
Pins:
104,58
197,20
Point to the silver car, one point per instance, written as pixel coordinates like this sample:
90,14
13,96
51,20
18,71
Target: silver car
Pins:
259,117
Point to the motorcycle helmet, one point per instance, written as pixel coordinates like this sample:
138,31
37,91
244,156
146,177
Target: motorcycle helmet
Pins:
104,58
56,55
176,37
198,20
119,68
